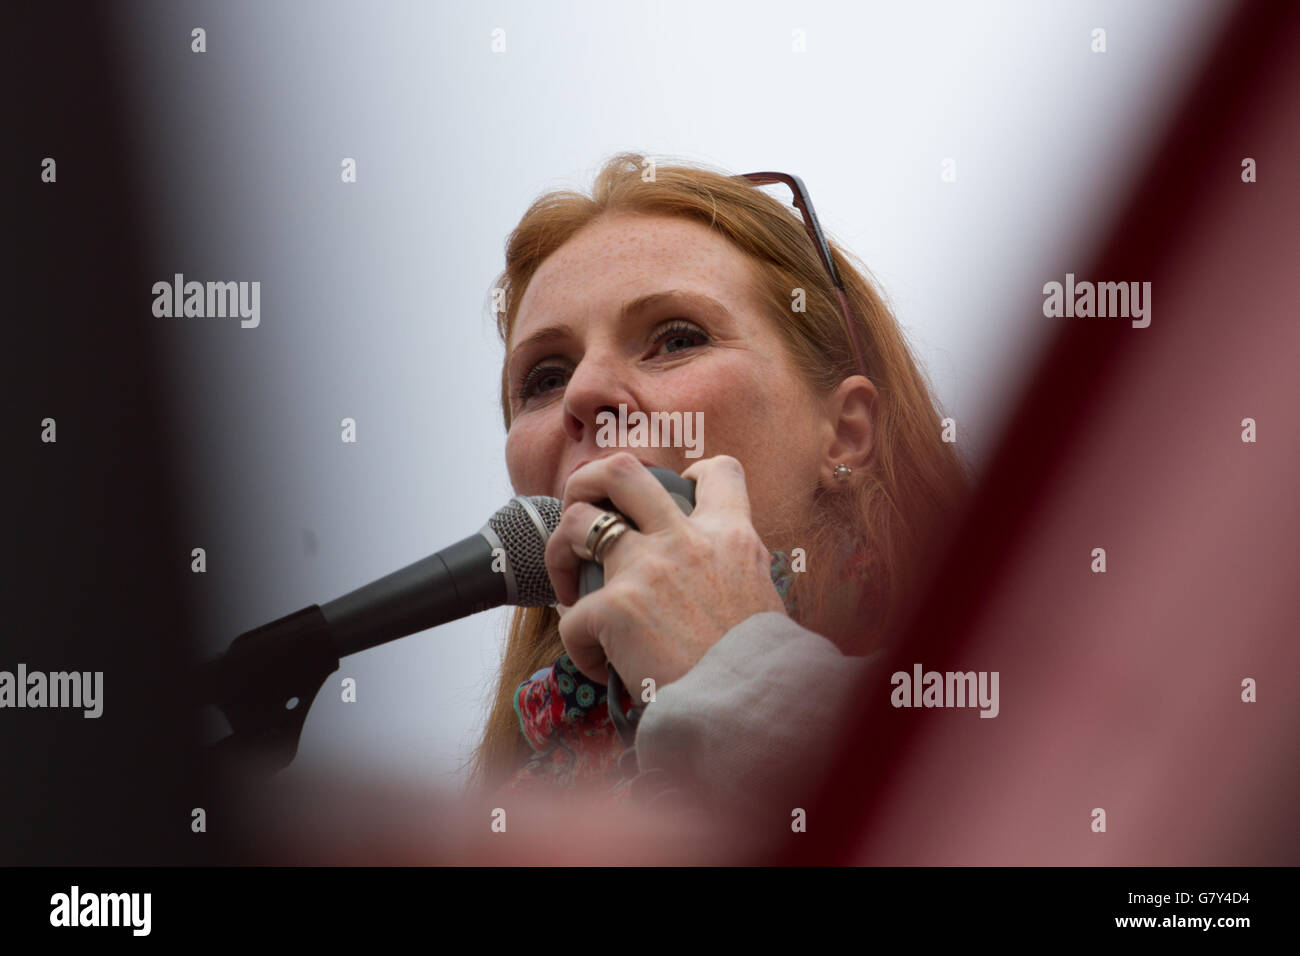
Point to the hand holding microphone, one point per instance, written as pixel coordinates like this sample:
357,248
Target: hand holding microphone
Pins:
671,589
674,585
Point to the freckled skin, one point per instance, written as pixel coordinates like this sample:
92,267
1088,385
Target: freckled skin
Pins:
755,407
674,588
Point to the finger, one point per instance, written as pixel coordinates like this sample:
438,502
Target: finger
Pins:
630,486
562,549
581,643
720,486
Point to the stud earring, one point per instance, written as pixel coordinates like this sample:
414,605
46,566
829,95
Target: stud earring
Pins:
843,471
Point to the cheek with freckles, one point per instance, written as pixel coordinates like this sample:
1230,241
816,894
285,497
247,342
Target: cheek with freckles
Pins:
778,446
529,459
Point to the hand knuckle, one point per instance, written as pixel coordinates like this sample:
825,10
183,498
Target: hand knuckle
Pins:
624,461
621,596
727,461
555,548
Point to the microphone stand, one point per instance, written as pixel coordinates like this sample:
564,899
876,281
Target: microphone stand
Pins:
266,681
265,684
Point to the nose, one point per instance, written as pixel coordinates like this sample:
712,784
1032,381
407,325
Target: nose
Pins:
596,385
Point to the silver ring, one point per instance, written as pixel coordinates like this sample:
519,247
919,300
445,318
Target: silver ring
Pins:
612,534
598,528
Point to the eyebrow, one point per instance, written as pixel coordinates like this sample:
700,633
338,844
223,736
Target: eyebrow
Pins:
631,310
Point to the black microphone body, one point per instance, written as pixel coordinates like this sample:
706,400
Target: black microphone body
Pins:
503,564
440,588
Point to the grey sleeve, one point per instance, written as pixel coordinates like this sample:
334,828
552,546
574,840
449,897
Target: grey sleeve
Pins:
755,721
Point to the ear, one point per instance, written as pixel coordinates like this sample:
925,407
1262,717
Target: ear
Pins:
850,411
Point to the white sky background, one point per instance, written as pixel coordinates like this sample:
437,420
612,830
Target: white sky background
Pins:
375,295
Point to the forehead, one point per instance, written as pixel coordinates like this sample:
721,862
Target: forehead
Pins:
621,257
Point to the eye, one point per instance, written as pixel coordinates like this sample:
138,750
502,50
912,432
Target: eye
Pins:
679,335
542,379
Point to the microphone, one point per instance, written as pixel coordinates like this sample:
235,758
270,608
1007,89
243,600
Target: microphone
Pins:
266,680
504,563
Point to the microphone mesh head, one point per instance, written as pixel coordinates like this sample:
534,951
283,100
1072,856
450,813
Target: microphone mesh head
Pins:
525,545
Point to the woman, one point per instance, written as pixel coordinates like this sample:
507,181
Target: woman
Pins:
821,475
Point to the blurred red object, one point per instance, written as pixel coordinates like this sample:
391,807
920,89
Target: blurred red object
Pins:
1122,691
